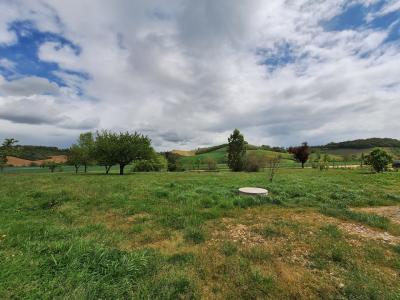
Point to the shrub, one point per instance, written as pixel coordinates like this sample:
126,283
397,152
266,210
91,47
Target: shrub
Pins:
254,162
378,159
211,163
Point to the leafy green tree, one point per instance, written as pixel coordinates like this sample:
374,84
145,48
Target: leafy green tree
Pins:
301,153
174,163
104,149
51,165
75,157
121,148
86,145
5,150
378,159
236,151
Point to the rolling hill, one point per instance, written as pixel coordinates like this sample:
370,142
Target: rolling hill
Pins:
348,151
20,162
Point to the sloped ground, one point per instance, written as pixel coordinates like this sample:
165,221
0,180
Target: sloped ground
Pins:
19,162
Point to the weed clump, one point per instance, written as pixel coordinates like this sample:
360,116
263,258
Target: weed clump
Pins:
194,235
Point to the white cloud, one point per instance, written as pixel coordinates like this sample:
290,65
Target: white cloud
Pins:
188,71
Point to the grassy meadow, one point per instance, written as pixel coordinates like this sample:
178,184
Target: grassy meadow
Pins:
190,235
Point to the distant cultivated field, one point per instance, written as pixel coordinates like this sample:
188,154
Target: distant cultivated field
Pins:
19,162
190,235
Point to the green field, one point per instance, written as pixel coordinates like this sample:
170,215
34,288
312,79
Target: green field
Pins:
190,236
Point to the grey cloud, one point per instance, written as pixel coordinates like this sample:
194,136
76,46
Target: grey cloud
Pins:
29,111
28,86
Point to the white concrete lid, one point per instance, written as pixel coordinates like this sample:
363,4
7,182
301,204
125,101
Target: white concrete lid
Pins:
253,191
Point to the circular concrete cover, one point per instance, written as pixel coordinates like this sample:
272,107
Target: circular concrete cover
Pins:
252,191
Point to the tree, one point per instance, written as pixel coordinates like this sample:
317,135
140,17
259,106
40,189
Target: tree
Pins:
75,157
174,164
86,145
236,151
51,165
362,159
104,149
378,159
301,153
121,148
5,150
273,164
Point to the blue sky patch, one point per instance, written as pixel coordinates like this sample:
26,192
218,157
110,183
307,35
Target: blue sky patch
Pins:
355,17
272,60
24,53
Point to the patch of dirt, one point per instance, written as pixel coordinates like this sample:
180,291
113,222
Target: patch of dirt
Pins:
19,162
238,233
241,233
369,233
391,212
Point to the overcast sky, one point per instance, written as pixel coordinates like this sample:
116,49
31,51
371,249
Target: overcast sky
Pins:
187,72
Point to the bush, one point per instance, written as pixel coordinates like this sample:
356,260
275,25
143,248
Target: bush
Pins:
254,162
211,163
155,164
378,159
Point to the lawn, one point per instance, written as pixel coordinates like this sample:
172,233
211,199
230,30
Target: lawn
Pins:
190,236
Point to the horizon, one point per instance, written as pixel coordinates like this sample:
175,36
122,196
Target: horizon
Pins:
187,73
200,147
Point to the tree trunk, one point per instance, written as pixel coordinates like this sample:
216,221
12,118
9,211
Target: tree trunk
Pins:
76,169
121,169
107,169
302,165
85,168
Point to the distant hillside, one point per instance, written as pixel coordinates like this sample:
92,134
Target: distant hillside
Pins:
184,152
20,162
37,152
363,144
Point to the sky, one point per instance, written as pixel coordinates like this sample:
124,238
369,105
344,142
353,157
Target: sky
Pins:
186,73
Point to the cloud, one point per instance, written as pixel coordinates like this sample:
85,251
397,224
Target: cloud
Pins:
189,72
28,86
7,64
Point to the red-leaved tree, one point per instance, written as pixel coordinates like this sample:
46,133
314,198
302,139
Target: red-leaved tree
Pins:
301,153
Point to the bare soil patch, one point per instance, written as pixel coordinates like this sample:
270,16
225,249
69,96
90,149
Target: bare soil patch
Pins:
19,162
369,233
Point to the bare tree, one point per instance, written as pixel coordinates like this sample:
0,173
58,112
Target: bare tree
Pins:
273,164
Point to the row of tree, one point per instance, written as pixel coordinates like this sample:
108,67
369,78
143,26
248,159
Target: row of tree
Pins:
108,148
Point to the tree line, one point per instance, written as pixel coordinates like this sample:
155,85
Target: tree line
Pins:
107,149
